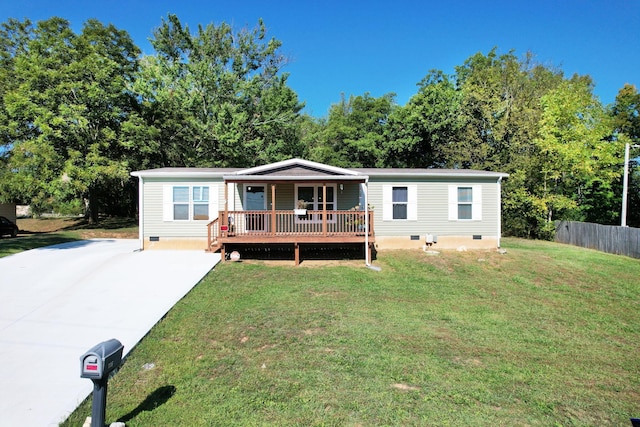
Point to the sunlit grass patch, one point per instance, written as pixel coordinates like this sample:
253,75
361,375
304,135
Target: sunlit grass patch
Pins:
542,335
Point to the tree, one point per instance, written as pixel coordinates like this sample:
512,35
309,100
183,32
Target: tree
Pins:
419,133
577,158
14,36
626,112
499,109
626,122
65,113
355,130
215,98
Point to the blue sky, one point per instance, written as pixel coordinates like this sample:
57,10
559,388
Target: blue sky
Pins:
353,47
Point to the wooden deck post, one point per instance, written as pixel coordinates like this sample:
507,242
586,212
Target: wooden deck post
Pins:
324,209
222,250
273,209
296,248
225,218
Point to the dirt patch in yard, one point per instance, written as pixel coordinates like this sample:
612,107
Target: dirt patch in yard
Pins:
47,225
107,228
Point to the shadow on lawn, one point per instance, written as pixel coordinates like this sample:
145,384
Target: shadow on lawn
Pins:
25,243
155,399
105,223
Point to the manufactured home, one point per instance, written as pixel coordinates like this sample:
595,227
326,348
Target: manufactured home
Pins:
298,202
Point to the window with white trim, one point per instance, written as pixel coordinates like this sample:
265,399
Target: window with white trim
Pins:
188,203
400,199
400,202
180,202
200,201
465,202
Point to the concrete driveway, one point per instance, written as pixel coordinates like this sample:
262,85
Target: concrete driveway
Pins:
58,302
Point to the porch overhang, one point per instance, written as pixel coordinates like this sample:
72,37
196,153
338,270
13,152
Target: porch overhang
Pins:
295,170
275,179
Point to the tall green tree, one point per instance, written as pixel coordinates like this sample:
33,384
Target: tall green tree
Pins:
500,110
626,112
216,97
354,133
419,133
578,160
65,111
626,122
14,36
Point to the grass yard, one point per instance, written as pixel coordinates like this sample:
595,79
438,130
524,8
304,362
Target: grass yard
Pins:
36,233
545,335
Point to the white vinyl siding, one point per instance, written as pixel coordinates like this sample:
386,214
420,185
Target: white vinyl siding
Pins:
461,199
412,205
410,201
432,211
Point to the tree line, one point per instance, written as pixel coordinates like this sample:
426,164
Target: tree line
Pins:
79,112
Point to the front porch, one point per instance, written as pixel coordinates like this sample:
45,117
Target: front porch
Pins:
291,227
293,202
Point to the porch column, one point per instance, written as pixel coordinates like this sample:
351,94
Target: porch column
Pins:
324,209
225,218
273,209
367,246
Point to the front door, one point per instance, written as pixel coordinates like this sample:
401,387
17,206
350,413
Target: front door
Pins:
255,200
312,197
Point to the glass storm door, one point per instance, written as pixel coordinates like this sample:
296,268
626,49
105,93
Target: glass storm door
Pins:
255,200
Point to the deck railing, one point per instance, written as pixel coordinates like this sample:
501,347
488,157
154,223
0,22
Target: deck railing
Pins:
289,223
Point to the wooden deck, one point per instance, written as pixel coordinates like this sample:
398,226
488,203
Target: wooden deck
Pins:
289,227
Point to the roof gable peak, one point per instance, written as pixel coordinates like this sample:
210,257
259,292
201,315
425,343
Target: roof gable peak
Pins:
296,163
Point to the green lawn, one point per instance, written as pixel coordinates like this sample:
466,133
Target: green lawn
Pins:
545,335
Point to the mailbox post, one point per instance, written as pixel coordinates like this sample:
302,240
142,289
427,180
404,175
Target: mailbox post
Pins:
96,364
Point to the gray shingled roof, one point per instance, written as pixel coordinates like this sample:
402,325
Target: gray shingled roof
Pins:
292,172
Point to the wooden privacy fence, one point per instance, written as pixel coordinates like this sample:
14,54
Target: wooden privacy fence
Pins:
606,238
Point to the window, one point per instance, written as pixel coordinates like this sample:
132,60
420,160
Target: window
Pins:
399,202
465,199
465,203
200,203
180,203
188,202
400,199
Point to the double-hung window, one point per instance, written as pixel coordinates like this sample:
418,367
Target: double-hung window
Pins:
180,202
200,201
400,202
400,199
465,202
188,203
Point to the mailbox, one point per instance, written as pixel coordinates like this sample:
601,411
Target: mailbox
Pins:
96,364
101,360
